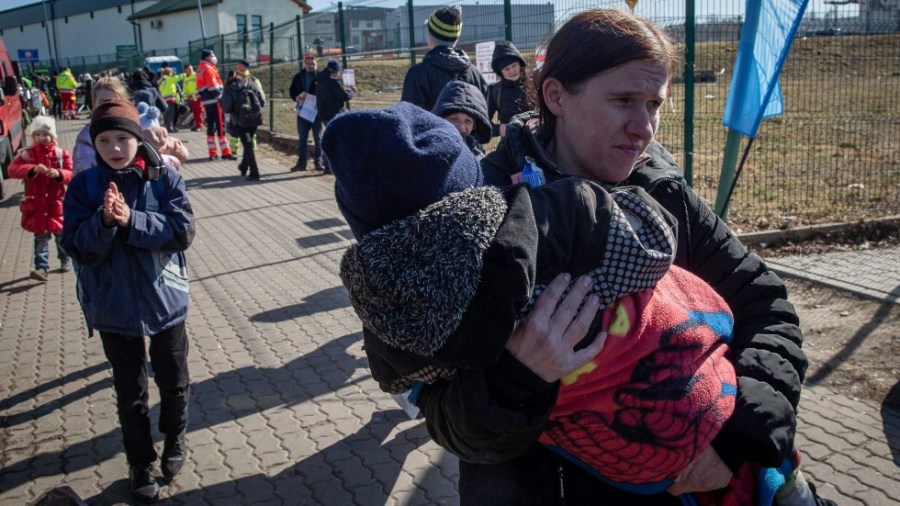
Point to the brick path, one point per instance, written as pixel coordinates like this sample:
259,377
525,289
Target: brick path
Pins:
283,409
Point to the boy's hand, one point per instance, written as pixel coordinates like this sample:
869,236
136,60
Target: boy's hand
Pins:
545,341
115,210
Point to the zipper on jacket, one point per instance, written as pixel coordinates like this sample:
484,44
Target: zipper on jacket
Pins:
562,486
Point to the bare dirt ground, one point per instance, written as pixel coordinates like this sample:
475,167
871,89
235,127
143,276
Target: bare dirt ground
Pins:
852,343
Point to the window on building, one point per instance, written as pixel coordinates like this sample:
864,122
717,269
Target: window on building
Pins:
241,21
355,39
120,9
369,24
256,22
92,14
66,19
354,24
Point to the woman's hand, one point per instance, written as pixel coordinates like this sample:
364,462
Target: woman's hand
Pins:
706,473
544,342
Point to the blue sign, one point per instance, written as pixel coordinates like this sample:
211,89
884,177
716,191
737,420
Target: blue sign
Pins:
29,56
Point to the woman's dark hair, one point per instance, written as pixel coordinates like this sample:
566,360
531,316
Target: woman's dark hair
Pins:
595,41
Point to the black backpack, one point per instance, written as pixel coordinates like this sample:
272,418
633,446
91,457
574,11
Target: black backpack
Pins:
247,108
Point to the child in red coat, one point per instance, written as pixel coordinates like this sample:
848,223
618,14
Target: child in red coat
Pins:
46,169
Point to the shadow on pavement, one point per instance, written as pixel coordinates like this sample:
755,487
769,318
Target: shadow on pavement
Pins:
319,302
226,397
57,403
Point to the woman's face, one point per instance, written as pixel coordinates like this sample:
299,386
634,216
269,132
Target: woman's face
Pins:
512,71
117,148
604,127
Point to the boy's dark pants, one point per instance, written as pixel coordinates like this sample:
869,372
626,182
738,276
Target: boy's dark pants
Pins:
168,356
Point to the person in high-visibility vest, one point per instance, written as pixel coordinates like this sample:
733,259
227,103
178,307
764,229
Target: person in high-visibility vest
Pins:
66,85
189,89
209,85
168,88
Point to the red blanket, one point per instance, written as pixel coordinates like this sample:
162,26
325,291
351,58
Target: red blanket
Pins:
659,391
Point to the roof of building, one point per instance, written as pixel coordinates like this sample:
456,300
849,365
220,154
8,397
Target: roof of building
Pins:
34,13
172,6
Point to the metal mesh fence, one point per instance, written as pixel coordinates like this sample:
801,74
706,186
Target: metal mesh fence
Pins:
832,157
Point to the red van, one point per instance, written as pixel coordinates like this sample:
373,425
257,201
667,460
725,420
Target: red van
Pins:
12,128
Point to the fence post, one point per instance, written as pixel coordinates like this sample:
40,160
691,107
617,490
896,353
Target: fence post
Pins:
300,47
412,33
244,36
689,57
343,34
271,76
507,18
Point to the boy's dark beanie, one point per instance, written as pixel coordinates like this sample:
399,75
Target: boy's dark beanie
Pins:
391,163
115,114
446,24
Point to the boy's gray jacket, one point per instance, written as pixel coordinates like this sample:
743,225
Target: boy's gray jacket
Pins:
133,280
443,289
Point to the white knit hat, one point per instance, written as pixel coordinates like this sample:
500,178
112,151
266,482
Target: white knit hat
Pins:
45,123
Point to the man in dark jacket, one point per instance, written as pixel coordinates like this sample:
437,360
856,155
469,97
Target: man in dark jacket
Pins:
331,96
302,85
443,63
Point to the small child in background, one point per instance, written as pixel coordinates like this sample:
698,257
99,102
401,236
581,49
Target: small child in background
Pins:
464,107
46,169
507,97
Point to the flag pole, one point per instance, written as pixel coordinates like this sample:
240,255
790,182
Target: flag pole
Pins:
727,176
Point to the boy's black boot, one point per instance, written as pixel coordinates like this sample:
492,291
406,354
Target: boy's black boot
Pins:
173,455
144,488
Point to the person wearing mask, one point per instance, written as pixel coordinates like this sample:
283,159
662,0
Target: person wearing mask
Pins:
210,88
302,85
442,63
507,97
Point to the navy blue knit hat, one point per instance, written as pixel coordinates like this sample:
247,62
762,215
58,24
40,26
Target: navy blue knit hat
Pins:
333,66
205,53
391,163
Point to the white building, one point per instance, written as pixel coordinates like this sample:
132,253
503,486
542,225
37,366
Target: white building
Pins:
90,32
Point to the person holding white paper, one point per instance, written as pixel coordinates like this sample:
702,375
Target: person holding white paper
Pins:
303,92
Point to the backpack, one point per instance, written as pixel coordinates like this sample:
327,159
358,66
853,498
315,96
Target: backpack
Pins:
247,108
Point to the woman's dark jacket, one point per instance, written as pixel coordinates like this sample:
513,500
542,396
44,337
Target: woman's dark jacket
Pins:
143,90
494,416
331,97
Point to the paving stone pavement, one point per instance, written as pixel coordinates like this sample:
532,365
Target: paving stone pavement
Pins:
283,408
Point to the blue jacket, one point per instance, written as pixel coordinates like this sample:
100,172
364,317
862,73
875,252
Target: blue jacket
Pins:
133,280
